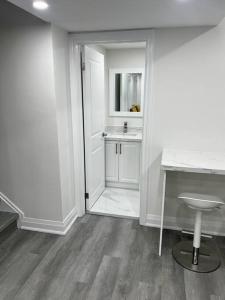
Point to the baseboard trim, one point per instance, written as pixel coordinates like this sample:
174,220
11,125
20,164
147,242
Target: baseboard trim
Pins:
41,225
48,226
171,223
122,185
8,202
14,207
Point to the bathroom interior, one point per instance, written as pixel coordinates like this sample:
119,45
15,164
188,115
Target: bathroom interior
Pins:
113,166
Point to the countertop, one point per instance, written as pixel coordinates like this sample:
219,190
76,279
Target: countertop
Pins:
193,161
130,137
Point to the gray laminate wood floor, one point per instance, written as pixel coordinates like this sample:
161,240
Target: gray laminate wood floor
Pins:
100,258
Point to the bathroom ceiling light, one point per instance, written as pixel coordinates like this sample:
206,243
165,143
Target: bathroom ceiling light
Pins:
40,5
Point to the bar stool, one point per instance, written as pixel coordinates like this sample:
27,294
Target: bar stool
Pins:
189,254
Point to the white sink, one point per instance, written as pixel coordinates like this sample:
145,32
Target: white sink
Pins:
131,136
122,135
201,201
127,134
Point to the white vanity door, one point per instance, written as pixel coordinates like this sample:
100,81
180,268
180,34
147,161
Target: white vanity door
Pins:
129,162
112,167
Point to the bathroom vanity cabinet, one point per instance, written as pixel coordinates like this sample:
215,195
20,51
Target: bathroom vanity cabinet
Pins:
122,163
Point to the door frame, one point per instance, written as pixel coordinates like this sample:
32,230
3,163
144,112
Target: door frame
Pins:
77,40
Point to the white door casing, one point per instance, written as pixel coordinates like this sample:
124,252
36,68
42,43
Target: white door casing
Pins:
93,88
90,38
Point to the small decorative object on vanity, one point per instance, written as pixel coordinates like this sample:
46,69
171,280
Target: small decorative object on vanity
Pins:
135,108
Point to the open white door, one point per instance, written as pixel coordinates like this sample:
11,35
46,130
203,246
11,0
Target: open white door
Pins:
94,111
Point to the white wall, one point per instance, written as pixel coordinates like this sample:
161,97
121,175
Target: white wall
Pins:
28,133
35,126
122,58
64,122
189,108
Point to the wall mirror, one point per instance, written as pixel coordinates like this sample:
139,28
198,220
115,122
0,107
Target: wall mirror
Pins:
126,92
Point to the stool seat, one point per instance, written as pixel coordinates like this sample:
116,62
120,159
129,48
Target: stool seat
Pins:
201,201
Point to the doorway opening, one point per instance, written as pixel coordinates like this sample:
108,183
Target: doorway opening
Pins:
113,78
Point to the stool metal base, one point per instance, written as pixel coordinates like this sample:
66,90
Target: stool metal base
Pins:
208,260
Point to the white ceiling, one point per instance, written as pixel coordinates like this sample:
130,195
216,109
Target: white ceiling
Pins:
93,15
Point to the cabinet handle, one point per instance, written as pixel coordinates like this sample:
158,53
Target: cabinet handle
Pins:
120,149
116,148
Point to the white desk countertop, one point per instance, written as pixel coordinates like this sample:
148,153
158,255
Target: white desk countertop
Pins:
188,161
193,161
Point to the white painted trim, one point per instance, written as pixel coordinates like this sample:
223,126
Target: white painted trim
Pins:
102,37
14,207
76,40
147,141
171,223
9,202
49,226
122,185
41,225
155,221
77,127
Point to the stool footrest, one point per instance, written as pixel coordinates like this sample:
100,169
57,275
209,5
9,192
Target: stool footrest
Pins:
192,233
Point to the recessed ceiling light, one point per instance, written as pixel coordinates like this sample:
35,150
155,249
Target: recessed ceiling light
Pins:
40,5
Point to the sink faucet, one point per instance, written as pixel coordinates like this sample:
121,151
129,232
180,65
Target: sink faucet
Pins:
125,127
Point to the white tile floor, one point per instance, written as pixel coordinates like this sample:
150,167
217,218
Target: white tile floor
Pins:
118,202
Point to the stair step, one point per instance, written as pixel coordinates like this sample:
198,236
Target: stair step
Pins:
7,218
